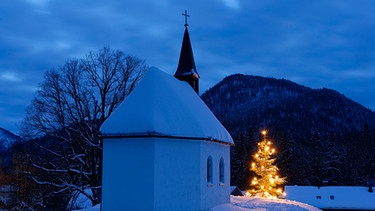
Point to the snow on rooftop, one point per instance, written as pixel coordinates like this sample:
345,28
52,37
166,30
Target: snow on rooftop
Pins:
333,197
161,104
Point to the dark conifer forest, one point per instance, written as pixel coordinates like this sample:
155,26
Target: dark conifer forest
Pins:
321,136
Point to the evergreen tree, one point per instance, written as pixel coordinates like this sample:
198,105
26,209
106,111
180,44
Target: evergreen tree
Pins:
367,148
263,166
333,161
287,158
317,163
238,159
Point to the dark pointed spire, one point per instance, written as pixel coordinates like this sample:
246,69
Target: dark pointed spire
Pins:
186,70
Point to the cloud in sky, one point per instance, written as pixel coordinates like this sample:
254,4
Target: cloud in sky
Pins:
234,4
9,76
315,43
38,2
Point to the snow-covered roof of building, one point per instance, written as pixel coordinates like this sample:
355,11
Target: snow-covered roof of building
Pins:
333,197
163,105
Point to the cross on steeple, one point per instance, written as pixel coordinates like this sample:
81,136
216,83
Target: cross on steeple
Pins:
186,16
186,70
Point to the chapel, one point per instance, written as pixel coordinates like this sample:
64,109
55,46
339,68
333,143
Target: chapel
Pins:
163,149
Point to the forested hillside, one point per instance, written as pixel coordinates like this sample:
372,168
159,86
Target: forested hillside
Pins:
7,139
320,134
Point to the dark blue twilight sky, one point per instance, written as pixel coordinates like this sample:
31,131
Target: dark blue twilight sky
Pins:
320,43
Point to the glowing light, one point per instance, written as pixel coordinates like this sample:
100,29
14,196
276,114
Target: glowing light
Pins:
268,180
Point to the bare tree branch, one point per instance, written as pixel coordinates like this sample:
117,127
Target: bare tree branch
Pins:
67,111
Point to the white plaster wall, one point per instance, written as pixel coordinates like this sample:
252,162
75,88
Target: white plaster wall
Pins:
215,193
177,175
128,174
162,174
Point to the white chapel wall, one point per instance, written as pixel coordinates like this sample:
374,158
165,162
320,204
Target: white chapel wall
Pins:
127,174
217,192
177,175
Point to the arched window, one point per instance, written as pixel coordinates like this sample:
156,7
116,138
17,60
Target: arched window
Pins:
209,169
221,170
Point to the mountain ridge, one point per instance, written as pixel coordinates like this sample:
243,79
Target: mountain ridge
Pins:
240,94
319,133
7,139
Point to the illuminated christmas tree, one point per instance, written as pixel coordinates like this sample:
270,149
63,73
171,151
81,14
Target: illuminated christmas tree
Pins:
267,185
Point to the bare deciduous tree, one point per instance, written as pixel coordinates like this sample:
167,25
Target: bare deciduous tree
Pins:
68,109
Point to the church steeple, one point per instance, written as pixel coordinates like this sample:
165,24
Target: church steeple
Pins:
186,70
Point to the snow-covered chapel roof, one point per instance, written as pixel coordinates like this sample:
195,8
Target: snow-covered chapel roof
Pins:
161,105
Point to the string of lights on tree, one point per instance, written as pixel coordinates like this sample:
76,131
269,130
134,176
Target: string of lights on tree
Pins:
267,184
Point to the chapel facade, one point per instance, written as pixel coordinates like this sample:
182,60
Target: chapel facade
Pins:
163,149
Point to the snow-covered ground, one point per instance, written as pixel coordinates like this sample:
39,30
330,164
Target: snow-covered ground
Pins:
244,203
